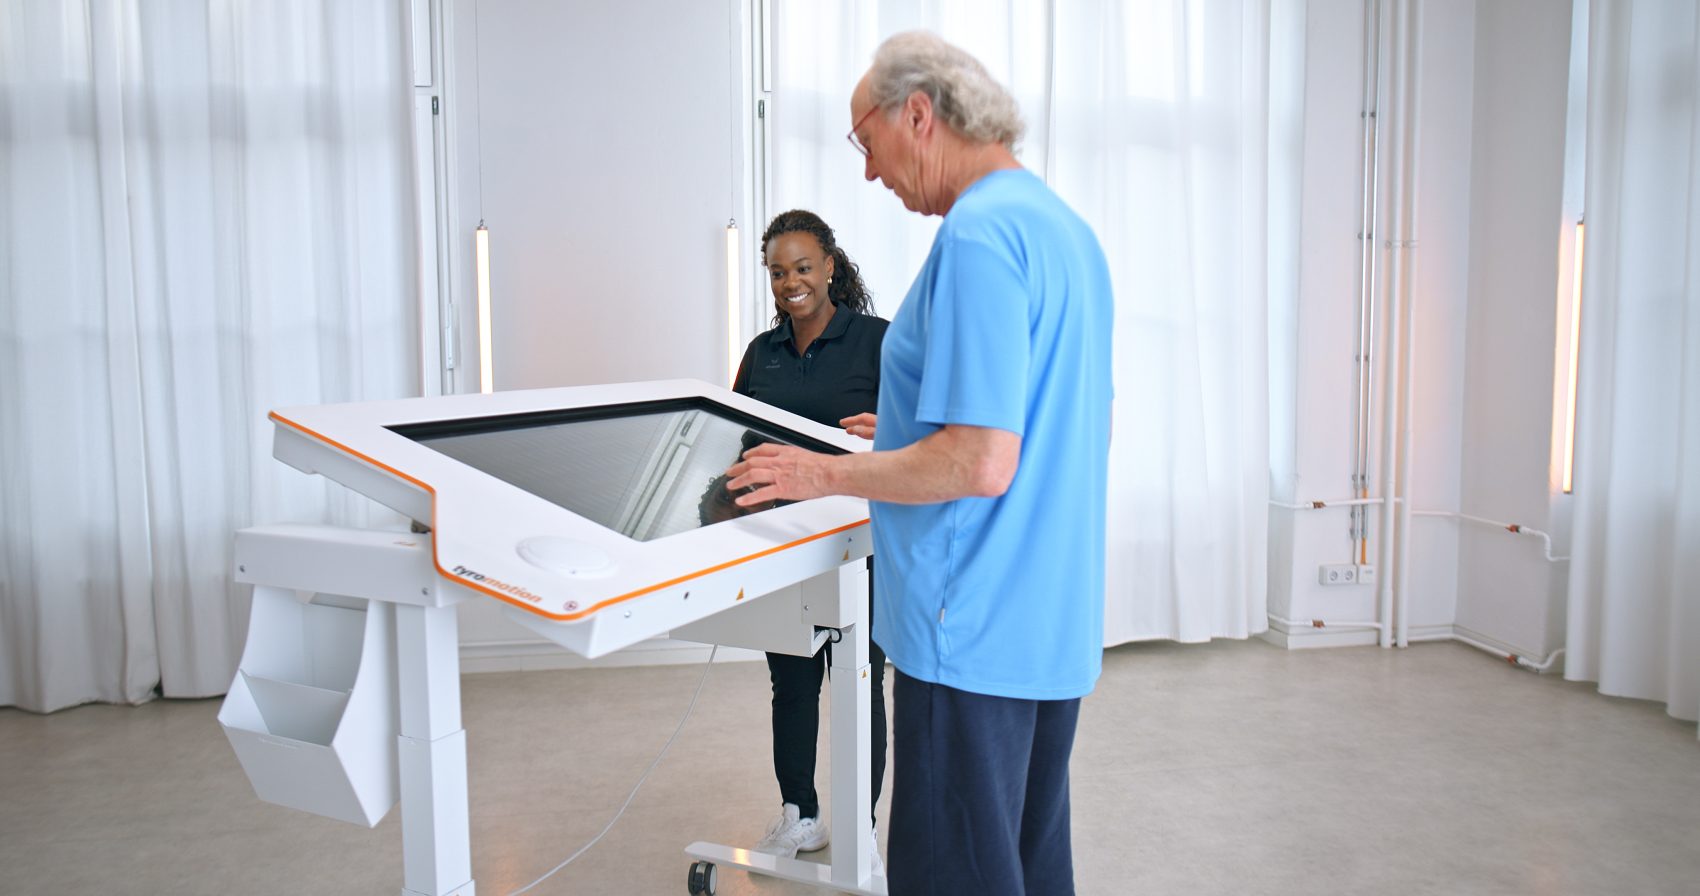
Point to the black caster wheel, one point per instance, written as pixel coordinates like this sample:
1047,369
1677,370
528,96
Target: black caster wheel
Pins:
702,879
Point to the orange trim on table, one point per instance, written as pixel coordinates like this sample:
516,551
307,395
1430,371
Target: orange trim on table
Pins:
558,617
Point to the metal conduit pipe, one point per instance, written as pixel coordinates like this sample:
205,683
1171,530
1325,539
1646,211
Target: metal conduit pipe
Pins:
1390,406
1367,271
1514,528
1412,84
1318,505
1513,658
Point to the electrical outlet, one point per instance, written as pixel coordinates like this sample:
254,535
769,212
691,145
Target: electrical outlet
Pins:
1366,574
1337,574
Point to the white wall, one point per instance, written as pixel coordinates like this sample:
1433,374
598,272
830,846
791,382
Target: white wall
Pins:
611,163
1507,591
603,146
1325,317
1330,202
1446,238
1493,82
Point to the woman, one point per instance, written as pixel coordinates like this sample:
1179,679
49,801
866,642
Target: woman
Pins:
821,360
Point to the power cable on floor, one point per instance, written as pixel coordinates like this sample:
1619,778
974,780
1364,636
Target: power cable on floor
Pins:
635,787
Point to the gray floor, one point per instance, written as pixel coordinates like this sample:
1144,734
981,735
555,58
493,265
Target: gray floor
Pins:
1228,768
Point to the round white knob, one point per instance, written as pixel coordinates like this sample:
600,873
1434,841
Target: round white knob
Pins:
565,556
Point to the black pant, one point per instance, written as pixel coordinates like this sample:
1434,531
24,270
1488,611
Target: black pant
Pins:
979,798
796,722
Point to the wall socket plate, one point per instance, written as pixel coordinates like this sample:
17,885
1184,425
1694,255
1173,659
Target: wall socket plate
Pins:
1345,574
1337,574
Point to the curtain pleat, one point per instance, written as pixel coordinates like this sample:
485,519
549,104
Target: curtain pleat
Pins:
208,215
1634,611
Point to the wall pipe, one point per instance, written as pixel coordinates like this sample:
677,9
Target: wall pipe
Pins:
1412,127
1514,528
1367,270
1318,505
1390,405
1512,658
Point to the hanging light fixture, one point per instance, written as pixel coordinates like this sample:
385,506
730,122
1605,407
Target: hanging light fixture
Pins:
733,321
1575,354
481,263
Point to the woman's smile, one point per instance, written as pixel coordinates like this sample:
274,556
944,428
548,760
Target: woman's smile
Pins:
800,271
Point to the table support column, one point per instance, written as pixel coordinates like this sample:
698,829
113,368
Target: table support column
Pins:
851,724
436,842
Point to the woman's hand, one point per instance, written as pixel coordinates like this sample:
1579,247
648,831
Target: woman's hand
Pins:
859,425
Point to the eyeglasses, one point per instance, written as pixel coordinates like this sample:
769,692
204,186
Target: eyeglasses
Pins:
856,141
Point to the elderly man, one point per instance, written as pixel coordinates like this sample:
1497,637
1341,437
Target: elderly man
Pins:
987,482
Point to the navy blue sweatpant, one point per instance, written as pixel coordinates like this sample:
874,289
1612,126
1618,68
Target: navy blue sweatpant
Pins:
979,800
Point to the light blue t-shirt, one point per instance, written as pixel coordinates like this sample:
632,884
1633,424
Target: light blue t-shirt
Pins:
1007,326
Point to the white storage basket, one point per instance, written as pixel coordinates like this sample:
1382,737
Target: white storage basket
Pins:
312,711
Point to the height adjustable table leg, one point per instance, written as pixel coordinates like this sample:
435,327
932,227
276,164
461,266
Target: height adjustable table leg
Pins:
436,840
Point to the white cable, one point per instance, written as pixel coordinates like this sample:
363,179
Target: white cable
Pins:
635,787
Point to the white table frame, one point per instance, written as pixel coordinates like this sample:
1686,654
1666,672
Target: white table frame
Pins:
431,742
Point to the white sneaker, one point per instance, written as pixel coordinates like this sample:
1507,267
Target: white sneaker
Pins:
876,865
788,834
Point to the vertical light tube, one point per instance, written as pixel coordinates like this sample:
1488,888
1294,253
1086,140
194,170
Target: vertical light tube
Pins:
1575,353
481,263
733,317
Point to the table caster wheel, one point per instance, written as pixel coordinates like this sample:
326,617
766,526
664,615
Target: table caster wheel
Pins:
702,879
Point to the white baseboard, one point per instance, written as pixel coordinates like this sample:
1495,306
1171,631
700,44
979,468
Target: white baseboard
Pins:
1305,637
534,655
1430,632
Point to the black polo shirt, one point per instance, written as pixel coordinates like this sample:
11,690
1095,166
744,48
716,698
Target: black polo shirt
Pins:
837,376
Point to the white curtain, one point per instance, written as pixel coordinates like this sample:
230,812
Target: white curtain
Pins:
205,213
1151,119
1634,620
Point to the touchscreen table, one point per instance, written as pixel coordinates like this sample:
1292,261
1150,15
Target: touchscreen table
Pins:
599,517
566,504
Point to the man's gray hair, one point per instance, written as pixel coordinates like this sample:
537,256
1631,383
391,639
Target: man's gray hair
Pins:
964,95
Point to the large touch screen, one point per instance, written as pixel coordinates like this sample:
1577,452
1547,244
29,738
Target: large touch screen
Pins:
645,470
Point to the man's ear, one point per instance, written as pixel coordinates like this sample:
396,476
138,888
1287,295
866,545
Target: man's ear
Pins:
918,112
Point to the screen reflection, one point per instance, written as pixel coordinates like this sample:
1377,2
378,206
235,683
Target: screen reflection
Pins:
644,475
